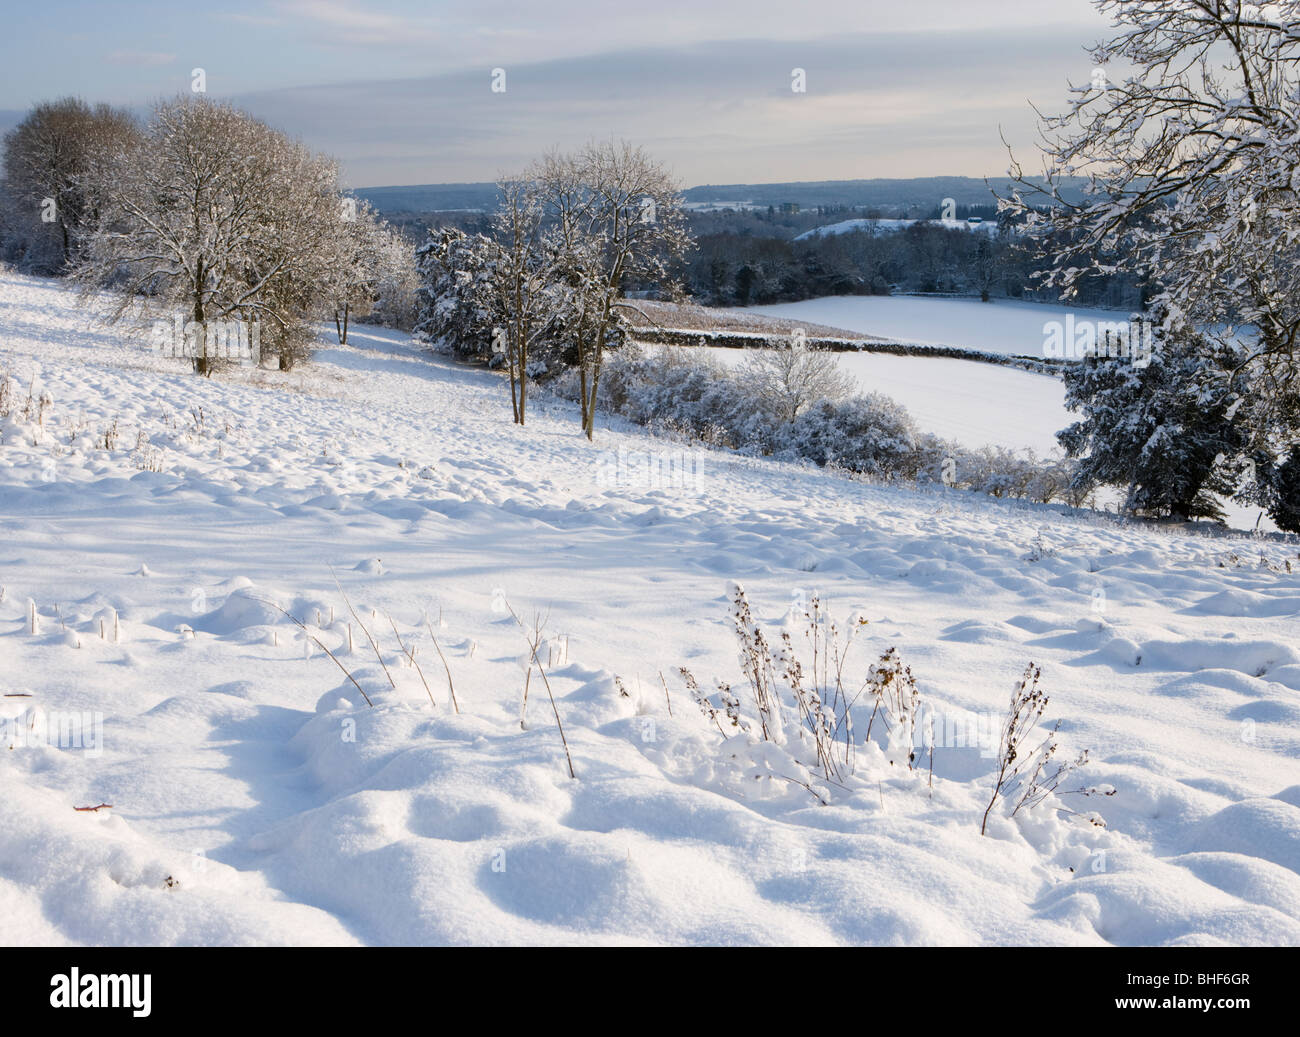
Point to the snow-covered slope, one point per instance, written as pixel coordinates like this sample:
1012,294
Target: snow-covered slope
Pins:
254,796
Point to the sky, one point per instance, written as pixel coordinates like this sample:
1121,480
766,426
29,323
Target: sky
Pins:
403,92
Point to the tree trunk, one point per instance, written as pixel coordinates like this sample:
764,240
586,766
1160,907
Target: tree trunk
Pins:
582,376
514,387
202,365
523,387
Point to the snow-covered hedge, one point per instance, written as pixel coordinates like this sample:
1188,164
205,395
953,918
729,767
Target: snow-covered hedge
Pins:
678,391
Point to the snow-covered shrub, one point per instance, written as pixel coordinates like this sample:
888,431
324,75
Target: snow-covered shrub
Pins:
997,471
685,392
8,392
676,391
869,435
787,378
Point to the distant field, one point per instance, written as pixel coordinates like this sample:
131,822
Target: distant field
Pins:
1007,326
975,404
690,316
664,323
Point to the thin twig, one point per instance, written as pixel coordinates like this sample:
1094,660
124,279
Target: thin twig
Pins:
550,694
411,655
303,626
364,630
438,647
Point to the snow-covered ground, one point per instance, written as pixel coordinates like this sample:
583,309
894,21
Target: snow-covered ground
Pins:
971,403
1002,326
256,797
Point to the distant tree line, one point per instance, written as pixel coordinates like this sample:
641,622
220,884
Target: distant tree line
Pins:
744,268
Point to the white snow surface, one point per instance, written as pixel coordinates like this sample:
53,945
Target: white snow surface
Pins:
1010,326
256,799
969,402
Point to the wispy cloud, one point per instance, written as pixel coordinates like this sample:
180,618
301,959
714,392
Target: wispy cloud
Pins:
883,104
349,23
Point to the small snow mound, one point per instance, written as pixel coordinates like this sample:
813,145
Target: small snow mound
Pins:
1122,651
1290,796
235,689
1264,828
974,631
1246,603
237,613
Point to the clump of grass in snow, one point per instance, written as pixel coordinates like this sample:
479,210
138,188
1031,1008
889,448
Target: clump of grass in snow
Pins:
801,699
1030,776
535,639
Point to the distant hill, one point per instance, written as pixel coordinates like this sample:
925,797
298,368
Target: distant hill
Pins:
431,197
894,226
926,192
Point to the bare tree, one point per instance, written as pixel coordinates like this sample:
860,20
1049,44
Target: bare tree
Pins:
218,214
618,216
375,267
787,378
54,166
523,278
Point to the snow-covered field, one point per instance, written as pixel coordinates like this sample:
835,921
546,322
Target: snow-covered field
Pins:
256,798
1003,326
972,403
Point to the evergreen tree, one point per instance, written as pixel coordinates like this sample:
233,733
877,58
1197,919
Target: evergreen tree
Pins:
1160,426
1283,492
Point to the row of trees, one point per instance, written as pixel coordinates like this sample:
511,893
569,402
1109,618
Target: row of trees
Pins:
546,289
204,211
743,268
1193,167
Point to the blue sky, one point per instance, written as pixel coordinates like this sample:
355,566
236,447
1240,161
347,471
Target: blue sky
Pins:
401,92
